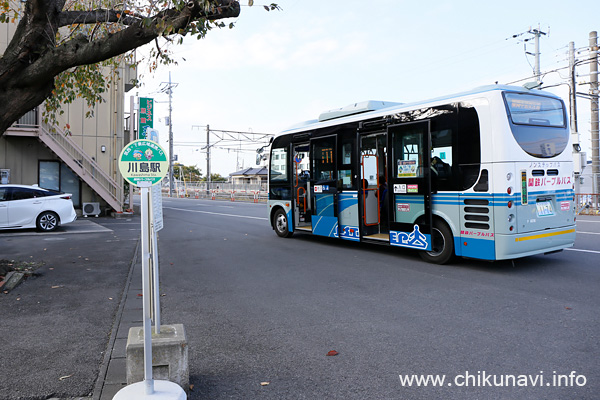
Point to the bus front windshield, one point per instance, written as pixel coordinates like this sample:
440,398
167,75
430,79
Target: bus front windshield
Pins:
537,123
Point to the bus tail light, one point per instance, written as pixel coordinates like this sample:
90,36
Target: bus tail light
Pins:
511,228
509,190
510,204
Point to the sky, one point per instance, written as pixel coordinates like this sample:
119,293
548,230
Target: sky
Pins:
276,69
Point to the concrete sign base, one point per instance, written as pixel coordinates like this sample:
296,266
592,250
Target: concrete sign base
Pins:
169,355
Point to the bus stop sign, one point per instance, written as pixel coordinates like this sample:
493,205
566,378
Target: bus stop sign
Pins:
143,163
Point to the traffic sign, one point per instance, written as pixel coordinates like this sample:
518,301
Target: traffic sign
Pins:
143,163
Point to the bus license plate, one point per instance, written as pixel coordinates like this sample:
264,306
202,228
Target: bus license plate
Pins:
544,208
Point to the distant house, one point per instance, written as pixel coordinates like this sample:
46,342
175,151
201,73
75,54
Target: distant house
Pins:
250,176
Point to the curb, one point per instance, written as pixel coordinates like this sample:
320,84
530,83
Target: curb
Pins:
11,281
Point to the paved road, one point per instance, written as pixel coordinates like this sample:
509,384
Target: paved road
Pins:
54,327
258,308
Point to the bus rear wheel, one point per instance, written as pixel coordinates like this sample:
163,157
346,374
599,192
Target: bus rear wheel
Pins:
442,244
280,224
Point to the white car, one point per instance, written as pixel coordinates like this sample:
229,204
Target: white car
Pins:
24,206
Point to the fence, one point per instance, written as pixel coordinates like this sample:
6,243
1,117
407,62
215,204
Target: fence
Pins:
219,191
587,204
587,198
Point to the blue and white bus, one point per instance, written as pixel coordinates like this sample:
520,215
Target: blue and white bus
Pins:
485,174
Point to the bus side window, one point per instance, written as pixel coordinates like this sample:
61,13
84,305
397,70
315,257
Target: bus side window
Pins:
323,161
279,163
468,146
346,172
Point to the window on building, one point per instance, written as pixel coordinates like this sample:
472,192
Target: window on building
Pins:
55,175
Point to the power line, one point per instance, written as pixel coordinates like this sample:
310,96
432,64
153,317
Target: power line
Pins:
230,140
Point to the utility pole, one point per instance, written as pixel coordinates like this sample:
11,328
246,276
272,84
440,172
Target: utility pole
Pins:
573,93
536,71
537,33
170,138
577,155
594,111
169,90
207,158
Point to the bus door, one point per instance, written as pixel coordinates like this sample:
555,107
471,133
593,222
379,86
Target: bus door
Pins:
410,185
300,181
323,190
373,186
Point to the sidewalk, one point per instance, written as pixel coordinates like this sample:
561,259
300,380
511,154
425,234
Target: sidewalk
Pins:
112,376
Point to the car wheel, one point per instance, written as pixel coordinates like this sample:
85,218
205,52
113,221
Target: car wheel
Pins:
47,221
442,244
280,223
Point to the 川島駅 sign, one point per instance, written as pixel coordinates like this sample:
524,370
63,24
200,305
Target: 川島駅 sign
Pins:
143,163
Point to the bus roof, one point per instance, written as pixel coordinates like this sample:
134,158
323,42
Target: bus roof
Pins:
356,108
372,109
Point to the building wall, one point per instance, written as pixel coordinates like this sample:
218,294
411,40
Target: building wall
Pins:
106,128
6,32
21,155
244,180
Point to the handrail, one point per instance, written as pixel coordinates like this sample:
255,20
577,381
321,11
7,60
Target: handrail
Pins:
297,185
83,160
298,197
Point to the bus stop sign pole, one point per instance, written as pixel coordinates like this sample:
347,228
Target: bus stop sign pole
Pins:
147,292
143,163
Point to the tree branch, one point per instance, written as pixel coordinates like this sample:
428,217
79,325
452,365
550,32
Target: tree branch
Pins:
96,16
80,51
223,9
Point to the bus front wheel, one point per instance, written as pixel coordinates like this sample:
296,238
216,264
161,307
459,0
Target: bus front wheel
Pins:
280,223
442,244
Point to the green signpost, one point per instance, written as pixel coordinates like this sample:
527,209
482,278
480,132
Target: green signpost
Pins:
146,116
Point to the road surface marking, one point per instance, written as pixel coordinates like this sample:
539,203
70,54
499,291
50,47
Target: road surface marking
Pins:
585,251
215,213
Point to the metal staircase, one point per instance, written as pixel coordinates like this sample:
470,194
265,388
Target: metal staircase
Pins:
83,165
75,158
